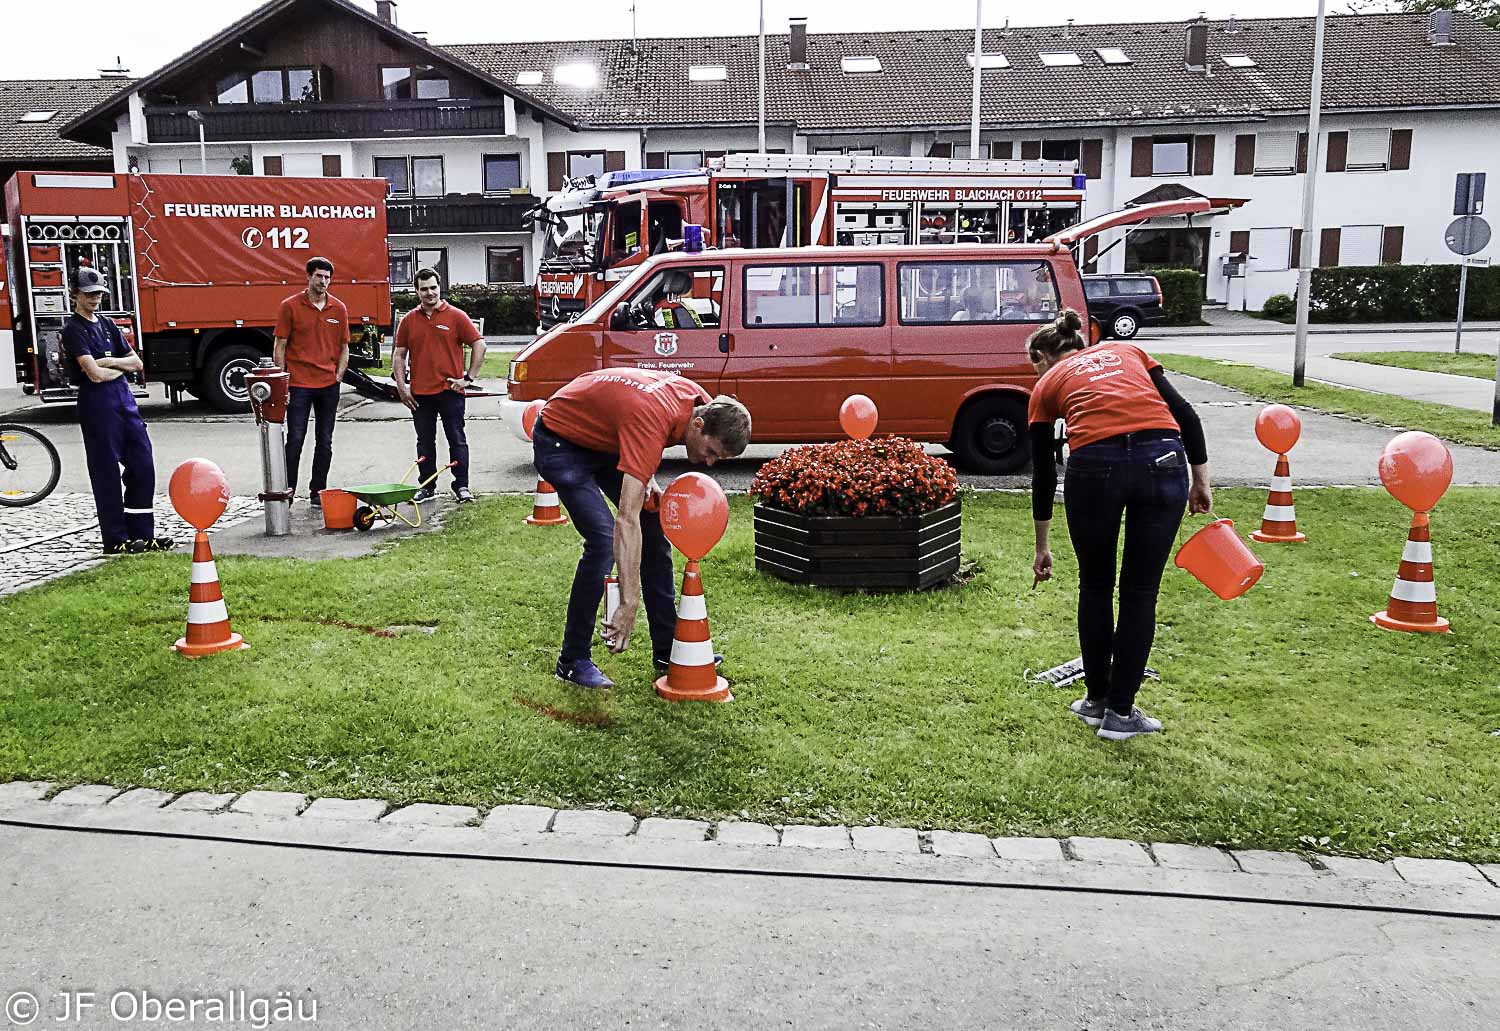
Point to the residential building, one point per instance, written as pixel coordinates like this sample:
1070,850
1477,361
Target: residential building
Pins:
469,134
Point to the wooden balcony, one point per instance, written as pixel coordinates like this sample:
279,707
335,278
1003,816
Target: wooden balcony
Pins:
457,213
315,121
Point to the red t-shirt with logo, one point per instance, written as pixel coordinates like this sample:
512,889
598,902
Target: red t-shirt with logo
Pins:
435,346
314,339
1101,391
633,413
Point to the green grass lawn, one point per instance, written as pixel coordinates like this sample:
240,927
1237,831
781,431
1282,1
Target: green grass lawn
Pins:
1457,425
1480,366
1292,722
496,364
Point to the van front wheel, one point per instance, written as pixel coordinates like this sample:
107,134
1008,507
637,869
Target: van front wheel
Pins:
990,436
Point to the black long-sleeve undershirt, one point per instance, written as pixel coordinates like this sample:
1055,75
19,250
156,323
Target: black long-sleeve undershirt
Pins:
1043,445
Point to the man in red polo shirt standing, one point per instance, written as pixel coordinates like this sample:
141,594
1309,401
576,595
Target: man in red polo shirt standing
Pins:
312,344
431,339
603,435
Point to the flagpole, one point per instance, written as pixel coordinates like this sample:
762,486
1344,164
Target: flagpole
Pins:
1309,194
978,55
762,76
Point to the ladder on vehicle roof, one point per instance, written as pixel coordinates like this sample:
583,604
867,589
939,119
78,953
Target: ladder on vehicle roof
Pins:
792,163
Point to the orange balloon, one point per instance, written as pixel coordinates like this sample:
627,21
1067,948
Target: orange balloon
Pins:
858,416
1278,428
529,417
694,514
200,492
1416,468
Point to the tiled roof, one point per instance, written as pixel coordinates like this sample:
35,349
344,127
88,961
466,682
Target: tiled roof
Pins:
1381,60
39,141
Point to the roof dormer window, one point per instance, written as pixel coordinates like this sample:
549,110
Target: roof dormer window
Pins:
38,116
1238,61
859,65
1061,59
529,79
987,61
707,73
578,74
1112,55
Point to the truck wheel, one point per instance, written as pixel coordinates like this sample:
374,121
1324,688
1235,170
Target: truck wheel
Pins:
1125,325
990,436
222,382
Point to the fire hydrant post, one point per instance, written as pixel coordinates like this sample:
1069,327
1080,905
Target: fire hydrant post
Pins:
268,387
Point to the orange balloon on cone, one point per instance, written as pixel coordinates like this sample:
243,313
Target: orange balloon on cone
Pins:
545,510
691,674
1278,523
208,630
1413,603
529,417
694,514
199,491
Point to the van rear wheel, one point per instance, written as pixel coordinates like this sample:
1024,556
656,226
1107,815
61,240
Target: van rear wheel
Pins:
990,436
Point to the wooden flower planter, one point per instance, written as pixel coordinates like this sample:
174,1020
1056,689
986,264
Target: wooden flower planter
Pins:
873,551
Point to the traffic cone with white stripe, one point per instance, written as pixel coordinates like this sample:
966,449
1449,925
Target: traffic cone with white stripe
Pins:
545,511
208,620
1278,524
691,674
1413,603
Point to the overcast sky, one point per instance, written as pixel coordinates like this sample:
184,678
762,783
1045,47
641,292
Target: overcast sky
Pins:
146,34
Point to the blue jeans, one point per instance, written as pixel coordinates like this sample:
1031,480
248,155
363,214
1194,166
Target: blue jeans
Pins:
449,406
1142,479
324,402
582,479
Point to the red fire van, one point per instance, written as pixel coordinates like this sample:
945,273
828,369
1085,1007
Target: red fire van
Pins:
936,336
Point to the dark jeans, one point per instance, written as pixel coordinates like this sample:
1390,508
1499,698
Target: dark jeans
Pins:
1142,478
114,437
324,401
582,479
449,406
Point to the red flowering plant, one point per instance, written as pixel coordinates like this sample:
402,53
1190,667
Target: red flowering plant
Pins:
887,476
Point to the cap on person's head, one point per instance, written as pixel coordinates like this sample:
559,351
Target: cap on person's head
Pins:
89,281
313,264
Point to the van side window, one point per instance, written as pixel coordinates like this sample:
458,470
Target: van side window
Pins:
977,291
679,297
814,295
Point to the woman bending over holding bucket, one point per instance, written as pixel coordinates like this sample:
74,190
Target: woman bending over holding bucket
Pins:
1132,439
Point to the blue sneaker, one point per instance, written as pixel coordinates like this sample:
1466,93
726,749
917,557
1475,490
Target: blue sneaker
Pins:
583,673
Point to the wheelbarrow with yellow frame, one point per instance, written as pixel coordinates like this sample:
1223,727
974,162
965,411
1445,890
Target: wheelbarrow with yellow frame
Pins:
384,500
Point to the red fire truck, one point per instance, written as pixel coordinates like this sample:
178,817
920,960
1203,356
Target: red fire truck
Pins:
197,268
599,230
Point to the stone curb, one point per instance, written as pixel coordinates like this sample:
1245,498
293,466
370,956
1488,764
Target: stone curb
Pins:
293,809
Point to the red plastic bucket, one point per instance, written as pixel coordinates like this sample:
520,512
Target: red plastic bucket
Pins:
1220,560
338,509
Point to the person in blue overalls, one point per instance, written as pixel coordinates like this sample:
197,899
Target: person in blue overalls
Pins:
114,435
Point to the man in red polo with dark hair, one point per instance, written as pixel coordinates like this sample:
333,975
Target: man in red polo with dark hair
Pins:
430,345
312,344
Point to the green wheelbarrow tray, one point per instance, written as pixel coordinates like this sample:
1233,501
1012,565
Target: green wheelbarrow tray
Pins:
383,500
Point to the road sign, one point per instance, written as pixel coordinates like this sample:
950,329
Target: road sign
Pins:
1477,262
1468,193
1467,235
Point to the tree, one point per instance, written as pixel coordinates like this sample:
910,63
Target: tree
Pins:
1485,11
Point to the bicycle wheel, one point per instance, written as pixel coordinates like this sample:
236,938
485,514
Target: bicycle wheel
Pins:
29,466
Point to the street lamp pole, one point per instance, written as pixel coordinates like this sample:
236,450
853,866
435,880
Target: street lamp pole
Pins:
1309,194
978,54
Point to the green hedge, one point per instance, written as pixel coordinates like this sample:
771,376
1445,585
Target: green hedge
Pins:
1402,293
506,310
1181,294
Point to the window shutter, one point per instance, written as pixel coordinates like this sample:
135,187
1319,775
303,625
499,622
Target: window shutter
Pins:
656,159
1239,241
1091,158
333,166
557,170
1140,157
1031,150
709,155
1296,261
1244,154
1328,251
1390,245
1400,150
614,161
940,150
1338,152
271,164
1002,150
1301,153
1203,155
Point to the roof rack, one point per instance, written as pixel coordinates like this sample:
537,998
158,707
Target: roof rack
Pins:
864,163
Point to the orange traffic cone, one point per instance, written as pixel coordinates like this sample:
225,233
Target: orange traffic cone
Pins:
208,620
691,674
1278,525
1413,603
545,511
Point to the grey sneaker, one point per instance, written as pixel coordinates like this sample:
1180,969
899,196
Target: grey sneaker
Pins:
463,494
1088,710
1121,728
424,495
